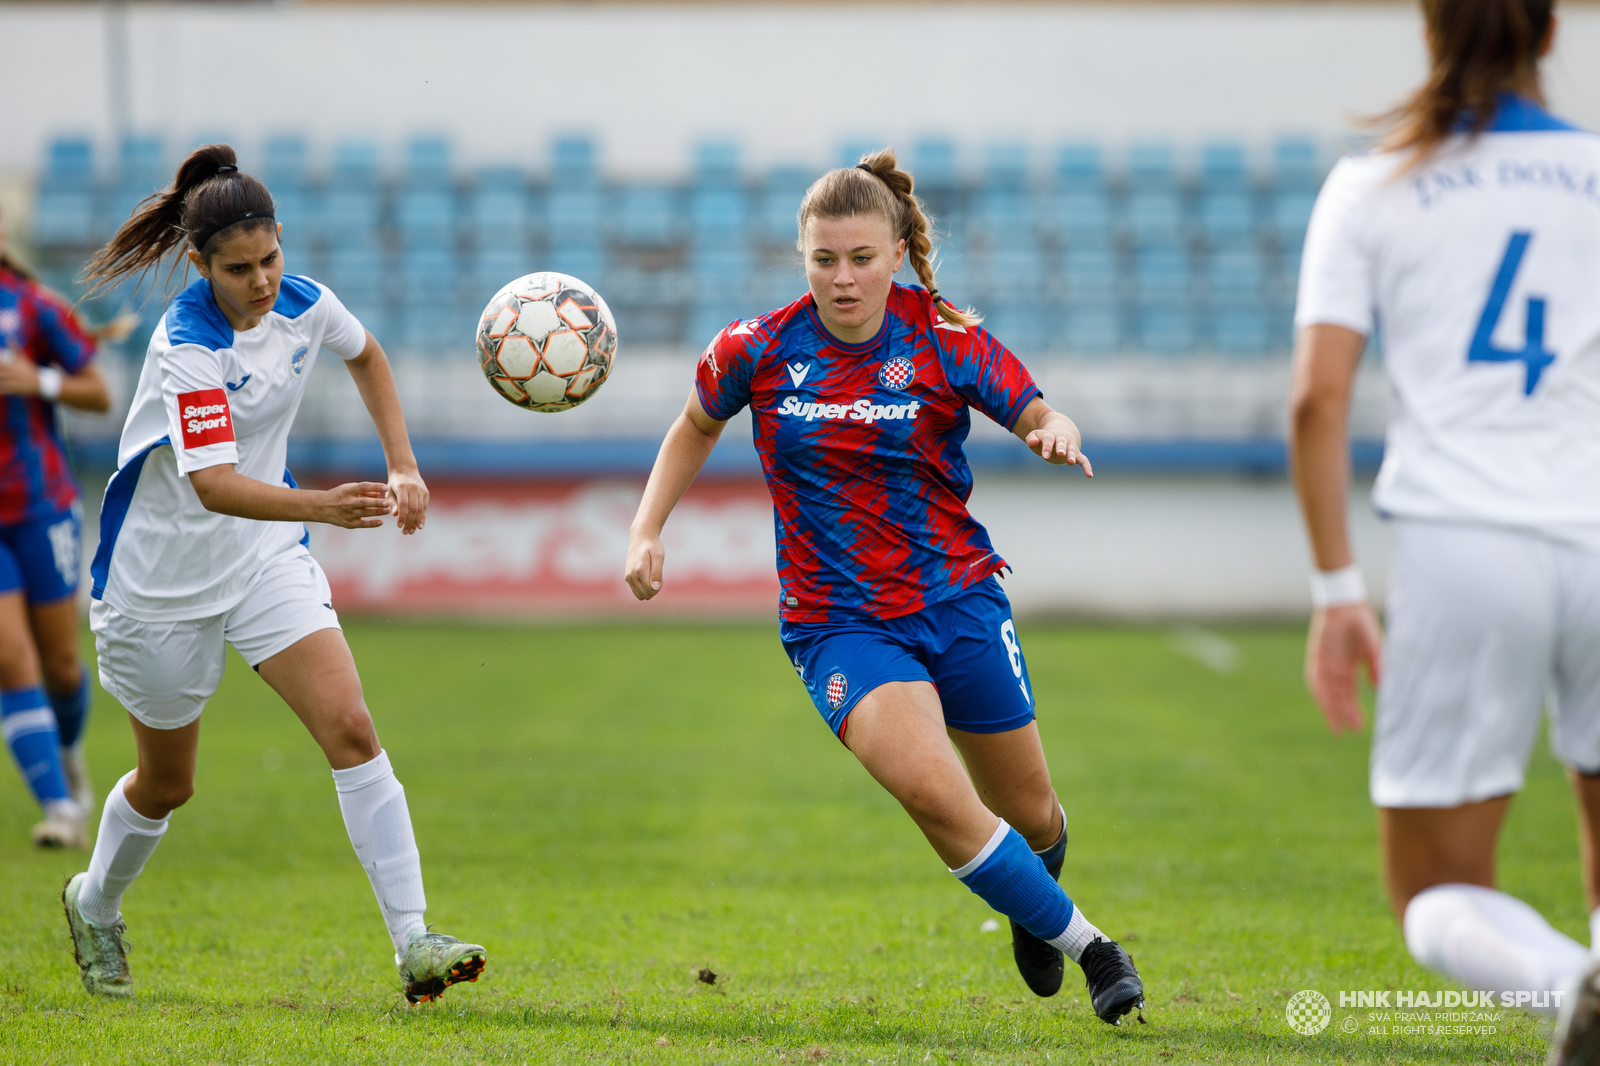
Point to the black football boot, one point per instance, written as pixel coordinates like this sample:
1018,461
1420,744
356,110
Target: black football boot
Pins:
1114,985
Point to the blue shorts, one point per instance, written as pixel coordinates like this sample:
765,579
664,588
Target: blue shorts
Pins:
40,558
966,646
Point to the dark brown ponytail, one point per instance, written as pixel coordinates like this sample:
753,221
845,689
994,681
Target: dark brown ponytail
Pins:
878,186
210,197
1479,49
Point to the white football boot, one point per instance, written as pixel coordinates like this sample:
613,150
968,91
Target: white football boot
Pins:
101,950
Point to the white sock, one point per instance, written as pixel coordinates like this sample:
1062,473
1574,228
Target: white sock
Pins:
1491,941
1078,935
379,823
126,841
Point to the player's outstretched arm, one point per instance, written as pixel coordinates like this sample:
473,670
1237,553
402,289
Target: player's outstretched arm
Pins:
1052,435
374,378
86,390
223,490
683,453
1343,637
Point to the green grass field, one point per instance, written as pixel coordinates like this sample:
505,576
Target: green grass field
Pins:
611,809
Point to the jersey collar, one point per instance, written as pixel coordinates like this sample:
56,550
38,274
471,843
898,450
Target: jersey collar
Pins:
1517,114
865,347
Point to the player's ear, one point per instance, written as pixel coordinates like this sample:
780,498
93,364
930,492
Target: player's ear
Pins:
199,262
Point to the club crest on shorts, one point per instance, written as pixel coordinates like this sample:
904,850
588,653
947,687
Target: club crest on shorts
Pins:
897,373
297,361
838,689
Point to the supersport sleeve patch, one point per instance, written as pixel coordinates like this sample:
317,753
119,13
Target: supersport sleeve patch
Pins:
205,418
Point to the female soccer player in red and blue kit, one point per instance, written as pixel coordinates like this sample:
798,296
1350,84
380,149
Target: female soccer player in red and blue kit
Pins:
46,358
890,606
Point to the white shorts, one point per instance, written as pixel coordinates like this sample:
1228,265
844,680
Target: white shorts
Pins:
1486,627
164,672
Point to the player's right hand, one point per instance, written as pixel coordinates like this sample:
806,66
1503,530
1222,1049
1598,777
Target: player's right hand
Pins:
358,505
643,570
1342,639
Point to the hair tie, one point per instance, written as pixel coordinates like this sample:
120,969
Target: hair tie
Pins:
227,168
935,294
206,235
867,167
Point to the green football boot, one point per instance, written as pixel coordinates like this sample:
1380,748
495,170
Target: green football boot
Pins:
433,962
101,950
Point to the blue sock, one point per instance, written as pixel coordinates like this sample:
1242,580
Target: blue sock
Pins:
29,728
72,710
1009,877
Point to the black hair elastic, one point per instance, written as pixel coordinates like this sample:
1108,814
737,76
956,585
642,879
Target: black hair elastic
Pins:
200,242
935,294
227,168
867,167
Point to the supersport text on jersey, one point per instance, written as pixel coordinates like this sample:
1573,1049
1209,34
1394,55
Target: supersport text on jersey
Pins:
861,447
1479,268
35,324
207,396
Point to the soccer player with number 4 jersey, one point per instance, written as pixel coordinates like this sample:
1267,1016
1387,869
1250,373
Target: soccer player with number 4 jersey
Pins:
890,606
1470,240
203,544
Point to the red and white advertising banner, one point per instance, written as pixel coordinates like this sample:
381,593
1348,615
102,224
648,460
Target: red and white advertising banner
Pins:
542,548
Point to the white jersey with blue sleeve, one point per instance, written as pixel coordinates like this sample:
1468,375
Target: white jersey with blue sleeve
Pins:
1480,267
209,395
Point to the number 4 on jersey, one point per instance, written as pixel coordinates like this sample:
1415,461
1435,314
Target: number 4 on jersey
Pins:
1532,353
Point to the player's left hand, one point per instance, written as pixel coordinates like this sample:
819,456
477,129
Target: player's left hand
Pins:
1058,444
19,377
408,500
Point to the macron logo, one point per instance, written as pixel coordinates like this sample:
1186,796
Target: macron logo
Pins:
798,372
205,418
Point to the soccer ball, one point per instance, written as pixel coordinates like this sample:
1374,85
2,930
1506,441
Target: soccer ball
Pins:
546,342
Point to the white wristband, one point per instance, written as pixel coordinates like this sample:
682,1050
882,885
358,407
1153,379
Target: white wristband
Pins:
50,383
1337,588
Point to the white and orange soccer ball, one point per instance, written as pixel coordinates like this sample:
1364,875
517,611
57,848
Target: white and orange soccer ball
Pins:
546,342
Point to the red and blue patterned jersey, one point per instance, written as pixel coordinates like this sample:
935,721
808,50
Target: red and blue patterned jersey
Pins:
36,324
861,447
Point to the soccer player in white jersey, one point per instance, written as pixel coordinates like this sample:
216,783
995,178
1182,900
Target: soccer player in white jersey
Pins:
1471,238
203,542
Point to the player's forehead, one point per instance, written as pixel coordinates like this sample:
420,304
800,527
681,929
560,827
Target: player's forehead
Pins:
251,245
848,233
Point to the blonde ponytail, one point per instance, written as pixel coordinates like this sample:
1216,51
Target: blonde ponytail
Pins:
877,185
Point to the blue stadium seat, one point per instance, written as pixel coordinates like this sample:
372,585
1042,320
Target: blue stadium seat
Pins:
716,162
428,162
1289,212
1240,327
646,214
718,202
353,204
777,286
1091,329
581,259
780,203
1153,212
933,162
1019,325
574,214
1090,273
490,270
1226,206
1014,271
283,162
65,213
1003,208
1080,204
497,210
1295,165
1222,166
141,171
572,161
1237,273
1161,275
356,271
1166,328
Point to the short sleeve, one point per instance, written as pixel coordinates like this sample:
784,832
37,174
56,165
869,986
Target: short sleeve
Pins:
199,418
1336,271
342,334
987,375
60,338
722,377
